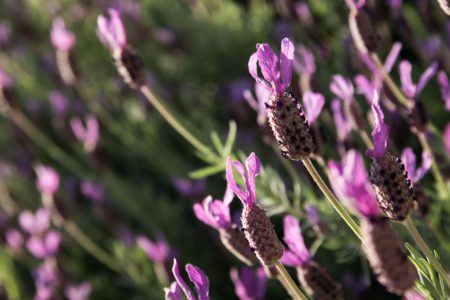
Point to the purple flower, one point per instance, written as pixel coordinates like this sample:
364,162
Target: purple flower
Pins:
88,135
43,246
342,123
413,295
409,159
47,180
5,33
259,105
276,80
45,280
313,103
312,214
14,239
367,87
380,132
173,292
214,213
35,223
189,188
248,197
197,277
408,87
342,87
78,292
304,61
158,251
249,284
445,88
93,191
111,31
297,254
447,138
5,80
62,39
350,181
59,103
355,4
303,12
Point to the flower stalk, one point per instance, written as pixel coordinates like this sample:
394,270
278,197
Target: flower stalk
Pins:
293,288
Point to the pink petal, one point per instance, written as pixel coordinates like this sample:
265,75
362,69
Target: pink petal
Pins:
313,103
286,61
409,160
380,131
447,138
253,70
232,183
181,282
408,87
392,56
267,62
200,280
52,241
426,76
173,292
294,238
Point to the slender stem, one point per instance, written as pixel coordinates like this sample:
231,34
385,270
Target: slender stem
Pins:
388,80
331,198
173,121
285,285
425,249
294,290
434,167
366,139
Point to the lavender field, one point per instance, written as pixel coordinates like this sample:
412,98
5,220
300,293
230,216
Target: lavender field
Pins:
224,149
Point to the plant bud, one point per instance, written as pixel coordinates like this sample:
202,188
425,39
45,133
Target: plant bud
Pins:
233,239
130,66
318,282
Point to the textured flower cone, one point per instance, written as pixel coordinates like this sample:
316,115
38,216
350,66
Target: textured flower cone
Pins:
233,239
386,255
423,203
131,67
318,282
290,127
394,192
364,31
445,6
418,118
261,235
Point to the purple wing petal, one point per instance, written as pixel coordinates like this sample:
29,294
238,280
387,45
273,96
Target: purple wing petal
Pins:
392,56
228,197
232,183
343,125
253,167
117,28
365,86
173,292
200,280
380,130
221,214
426,76
201,214
424,167
447,138
286,61
180,281
445,89
36,247
253,70
313,103
52,241
267,62
291,259
342,87
408,87
294,238
409,160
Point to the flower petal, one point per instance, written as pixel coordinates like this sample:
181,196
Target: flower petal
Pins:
313,103
424,167
200,280
267,62
173,292
253,70
286,61
447,138
408,87
409,160
445,88
380,131
426,76
181,282
392,56
294,239
232,183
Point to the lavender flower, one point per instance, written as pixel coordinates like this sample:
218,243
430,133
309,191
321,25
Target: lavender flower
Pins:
78,292
380,131
409,159
93,191
410,89
214,213
447,138
296,255
46,280
59,103
304,61
173,292
35,223
341,122
44,246
445,88
158,251
313,103
249,284
197,277
14,239
258,104
62,39
189,188
274,80
342,87
111,31
257,226
47,180
88,135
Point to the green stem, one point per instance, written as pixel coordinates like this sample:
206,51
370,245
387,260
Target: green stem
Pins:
434,166
425,249
173,121
293,288
331,198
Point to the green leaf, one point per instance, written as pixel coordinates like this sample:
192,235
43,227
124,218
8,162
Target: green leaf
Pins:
230,139
216,142
206,171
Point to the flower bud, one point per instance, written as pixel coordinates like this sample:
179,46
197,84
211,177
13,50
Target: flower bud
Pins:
318,282
130,66
233,239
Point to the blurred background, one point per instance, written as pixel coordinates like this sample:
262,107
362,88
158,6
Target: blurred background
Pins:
125,174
